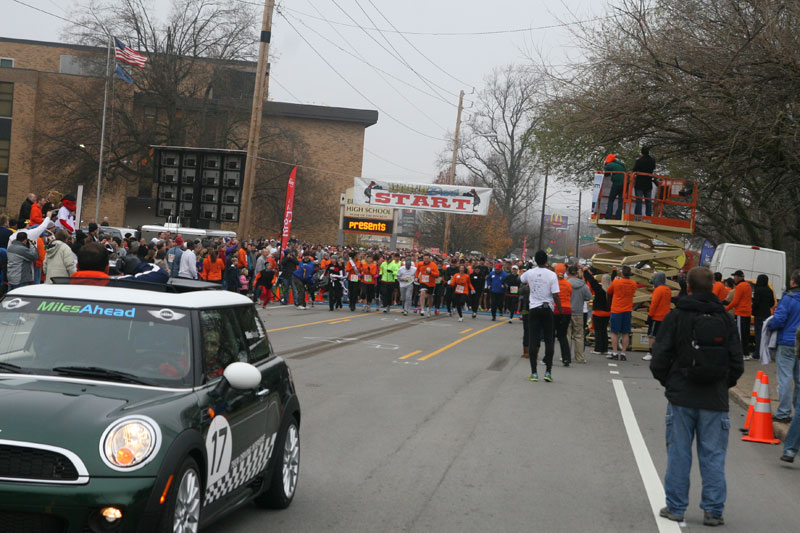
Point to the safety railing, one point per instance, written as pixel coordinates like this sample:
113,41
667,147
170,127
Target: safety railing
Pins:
646,199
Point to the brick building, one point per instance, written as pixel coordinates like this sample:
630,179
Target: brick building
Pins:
327,141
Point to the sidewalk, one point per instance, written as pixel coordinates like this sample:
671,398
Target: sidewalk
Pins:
744,387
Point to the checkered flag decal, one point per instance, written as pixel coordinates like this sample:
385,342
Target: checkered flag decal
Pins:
244,468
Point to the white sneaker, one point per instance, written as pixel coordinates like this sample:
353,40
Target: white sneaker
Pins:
647,357
748,358
422,313
302,307
461,319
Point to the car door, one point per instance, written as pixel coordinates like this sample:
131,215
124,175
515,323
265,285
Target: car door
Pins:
260,355
235,436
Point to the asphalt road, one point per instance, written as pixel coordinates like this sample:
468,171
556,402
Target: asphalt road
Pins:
454,437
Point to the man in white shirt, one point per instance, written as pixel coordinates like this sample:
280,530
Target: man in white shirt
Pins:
405,278
544,286
188,267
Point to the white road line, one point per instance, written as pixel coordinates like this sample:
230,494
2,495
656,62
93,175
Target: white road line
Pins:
613,372
612,364
647,470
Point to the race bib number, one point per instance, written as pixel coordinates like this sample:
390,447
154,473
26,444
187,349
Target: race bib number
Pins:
424,278
367,279
514,290
460,289
354,277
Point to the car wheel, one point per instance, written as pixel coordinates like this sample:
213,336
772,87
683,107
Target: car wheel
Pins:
283,484
182,513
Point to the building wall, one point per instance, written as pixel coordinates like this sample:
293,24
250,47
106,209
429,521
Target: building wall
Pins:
335,146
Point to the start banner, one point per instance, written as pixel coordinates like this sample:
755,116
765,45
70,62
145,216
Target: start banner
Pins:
459,199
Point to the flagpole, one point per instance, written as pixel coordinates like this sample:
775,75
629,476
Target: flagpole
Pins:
102,137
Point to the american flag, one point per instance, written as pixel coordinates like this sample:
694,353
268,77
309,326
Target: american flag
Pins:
127,54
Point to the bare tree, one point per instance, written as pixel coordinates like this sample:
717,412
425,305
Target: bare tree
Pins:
711,86
497,149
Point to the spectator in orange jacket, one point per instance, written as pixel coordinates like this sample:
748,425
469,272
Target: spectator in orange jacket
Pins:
660,302
621,293
719,290
213,267
37,265
742,305
36,217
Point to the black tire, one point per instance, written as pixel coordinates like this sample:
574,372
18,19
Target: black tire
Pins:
188,467
278,495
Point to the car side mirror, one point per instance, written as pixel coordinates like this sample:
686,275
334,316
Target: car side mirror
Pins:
242,376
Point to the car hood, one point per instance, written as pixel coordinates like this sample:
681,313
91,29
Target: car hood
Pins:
73,415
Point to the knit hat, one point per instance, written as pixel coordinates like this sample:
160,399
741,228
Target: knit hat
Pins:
610,158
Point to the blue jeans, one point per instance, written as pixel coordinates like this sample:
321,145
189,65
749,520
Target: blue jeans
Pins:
616,193
37,275
788,379
286,286
648,203
711,428
792,441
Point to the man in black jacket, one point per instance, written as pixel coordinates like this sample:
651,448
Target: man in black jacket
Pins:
698,405
288,265
643,186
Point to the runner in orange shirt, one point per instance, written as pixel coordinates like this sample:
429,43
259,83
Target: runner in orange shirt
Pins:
621,293
427,272
462,287
352,268
369,279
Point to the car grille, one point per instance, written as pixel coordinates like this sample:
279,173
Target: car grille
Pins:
32,464
30,523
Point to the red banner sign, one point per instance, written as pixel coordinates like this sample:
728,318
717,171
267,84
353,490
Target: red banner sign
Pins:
287,215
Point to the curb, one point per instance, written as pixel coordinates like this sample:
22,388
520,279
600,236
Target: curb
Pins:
743,401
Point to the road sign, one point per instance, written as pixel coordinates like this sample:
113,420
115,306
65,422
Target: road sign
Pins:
549,250
587,238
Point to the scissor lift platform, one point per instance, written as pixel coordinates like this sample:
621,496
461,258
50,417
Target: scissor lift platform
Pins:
646,243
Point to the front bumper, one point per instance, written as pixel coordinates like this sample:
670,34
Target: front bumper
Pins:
72,505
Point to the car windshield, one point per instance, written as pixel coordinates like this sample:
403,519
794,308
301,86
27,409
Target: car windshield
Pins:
97,340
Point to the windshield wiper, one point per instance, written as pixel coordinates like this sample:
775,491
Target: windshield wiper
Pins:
98,372
9,367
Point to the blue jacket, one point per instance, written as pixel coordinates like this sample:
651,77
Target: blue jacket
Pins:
787,317
305,271
495,281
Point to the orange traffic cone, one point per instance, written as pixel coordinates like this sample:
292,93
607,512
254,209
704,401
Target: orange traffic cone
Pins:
753,401
761,424
291,296
319,297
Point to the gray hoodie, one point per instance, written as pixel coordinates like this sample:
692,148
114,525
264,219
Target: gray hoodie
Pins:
20,262
580,294
659,278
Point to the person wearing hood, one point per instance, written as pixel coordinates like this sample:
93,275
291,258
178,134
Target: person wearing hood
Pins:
21,255
616,170
59,261
660,301
697,331
785,321
580,295
136,269
763,302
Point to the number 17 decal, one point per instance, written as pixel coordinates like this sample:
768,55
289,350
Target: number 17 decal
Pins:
218,449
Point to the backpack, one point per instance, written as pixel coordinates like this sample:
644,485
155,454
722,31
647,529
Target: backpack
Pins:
705,351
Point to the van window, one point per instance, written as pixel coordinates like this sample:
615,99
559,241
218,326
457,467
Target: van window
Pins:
254,333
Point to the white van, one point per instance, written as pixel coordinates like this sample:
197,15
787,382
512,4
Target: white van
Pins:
752,260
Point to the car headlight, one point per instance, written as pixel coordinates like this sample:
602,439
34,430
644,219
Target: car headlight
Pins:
130,443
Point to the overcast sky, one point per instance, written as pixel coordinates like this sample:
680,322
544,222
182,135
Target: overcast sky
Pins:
392,150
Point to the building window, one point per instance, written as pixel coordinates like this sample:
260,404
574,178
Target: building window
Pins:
3,190
6,98
6,62
5,145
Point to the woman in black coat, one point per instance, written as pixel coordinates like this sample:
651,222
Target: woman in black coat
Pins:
763,302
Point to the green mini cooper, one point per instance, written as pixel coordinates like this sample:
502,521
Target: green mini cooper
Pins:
125,409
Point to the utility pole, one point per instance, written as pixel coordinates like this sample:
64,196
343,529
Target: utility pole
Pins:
578,242
452,178
259,96
544,200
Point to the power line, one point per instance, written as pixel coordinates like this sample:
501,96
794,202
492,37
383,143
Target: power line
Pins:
453,33
272,78
356,89
377,69
40,10
398,57
398,165
400,93
414,47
